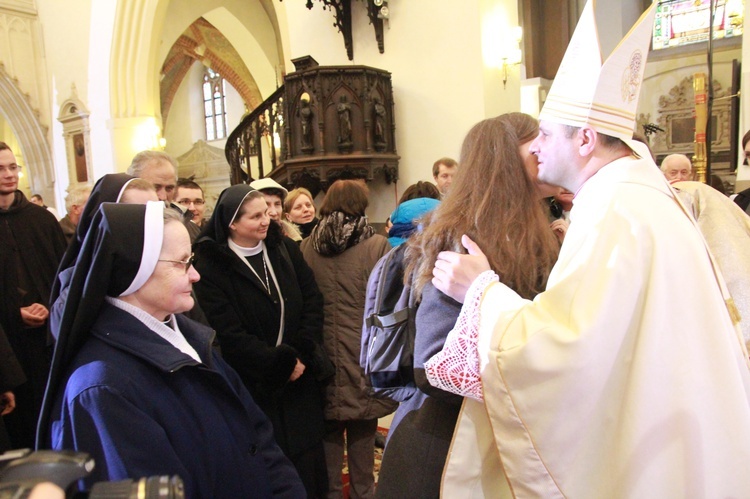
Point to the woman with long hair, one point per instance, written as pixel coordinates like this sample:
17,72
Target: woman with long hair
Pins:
261,298
342,251
505,215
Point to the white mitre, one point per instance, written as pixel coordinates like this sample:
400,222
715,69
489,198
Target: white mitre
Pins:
603,96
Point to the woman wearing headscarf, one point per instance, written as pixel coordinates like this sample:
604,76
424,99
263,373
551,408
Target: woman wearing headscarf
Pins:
416,202
509,217
136,385
275,195
261,298
342,251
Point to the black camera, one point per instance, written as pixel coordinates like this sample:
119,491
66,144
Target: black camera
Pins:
21,470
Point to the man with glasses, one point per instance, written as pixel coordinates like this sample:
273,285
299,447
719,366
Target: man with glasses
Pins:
31,245
189,195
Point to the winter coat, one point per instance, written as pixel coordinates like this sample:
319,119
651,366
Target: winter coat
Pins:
343,281
422,428
140,407
11,376
31,246
246,320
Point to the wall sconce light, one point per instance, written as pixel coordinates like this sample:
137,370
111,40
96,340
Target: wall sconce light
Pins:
382,6
510,53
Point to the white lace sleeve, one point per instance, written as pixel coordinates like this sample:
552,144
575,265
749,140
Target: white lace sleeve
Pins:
455,368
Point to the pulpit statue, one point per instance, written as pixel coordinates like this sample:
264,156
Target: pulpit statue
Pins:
345,123
379,111
306,115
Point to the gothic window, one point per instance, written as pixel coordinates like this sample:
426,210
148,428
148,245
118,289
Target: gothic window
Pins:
214,108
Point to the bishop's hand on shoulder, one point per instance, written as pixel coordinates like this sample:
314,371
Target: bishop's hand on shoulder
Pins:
454,272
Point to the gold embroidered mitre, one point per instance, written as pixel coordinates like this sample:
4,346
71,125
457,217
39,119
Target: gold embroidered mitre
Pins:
604,96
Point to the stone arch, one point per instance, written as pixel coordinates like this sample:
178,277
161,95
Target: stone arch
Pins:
134,68
201,41
32,136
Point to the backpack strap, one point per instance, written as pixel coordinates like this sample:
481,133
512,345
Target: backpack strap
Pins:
381,282
388,320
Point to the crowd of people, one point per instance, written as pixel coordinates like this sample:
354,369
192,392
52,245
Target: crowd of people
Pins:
581,328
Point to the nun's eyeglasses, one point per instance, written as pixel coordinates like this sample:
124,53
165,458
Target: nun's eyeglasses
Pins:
187,263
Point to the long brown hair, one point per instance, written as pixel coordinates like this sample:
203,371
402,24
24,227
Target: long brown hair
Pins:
493,201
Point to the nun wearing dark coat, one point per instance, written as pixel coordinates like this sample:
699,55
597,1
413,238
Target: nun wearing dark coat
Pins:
261,298
137,385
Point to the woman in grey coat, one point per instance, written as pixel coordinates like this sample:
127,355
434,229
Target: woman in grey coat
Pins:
342,250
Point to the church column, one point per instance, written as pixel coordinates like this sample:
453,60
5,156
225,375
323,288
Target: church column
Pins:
135,124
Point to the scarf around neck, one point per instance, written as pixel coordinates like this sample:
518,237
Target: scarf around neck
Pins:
338,232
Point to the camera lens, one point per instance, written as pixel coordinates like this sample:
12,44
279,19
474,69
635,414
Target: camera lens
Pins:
154,487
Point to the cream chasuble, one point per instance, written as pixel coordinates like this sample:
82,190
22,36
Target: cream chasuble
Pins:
625,378
726,229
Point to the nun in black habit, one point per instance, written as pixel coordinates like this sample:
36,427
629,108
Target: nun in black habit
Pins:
110,188
262,299
137,385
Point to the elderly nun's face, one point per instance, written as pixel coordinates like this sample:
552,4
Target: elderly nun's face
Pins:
168,289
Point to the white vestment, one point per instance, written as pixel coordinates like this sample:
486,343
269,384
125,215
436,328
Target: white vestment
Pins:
625,378
726,229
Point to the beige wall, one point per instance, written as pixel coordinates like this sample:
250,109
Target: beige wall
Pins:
441,85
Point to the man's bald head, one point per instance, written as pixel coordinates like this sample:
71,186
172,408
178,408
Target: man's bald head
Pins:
677,168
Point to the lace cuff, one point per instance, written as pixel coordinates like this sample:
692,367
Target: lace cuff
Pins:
455,368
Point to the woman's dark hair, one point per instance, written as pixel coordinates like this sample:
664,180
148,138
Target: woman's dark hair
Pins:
420,190
272,191
745,139
347,196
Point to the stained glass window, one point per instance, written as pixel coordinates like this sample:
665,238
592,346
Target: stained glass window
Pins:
681,22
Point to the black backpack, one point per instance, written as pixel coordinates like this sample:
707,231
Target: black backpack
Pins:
387,354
